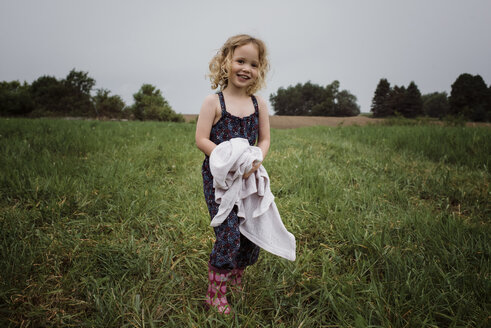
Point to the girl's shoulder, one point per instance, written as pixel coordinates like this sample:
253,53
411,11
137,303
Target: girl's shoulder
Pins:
212,98
211,102
261,103
211,106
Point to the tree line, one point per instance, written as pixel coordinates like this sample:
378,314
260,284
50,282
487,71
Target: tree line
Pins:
470,99
72,96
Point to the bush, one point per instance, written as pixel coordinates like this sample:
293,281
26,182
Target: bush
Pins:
15,99
151,105
454,120
161,113
108,106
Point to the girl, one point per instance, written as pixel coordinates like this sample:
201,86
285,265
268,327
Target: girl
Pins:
239,68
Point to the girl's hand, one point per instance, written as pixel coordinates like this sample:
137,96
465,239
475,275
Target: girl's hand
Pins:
255,166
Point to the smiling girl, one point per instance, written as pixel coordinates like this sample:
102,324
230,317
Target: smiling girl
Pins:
239,69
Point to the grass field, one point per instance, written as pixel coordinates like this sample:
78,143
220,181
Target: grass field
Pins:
104,224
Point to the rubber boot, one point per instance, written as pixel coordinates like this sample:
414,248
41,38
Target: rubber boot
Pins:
217,288
235,279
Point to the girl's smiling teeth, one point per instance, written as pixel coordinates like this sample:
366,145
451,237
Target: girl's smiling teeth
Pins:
245,77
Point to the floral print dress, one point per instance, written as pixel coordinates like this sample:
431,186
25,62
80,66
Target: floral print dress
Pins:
231,249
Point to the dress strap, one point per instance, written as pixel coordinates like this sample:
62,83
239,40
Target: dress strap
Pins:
256,106
222,102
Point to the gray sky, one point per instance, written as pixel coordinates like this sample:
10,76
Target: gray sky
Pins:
123,43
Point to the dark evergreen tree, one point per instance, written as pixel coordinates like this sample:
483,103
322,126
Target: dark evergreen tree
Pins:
396,100
380,99
412,105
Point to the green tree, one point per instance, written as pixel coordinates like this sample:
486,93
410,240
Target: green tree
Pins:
70,96
346,104
151,105
15,99
400,100
412,105
79,81
108,106
311,95
396,100
312,99
469,98
488,105
435,104
296,100
76,98
326,104
46,93
380,102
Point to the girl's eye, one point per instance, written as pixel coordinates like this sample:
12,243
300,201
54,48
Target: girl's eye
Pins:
240,61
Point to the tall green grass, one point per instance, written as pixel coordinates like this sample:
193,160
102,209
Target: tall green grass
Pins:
104,224
461,146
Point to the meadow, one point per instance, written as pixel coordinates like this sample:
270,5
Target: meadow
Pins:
104,224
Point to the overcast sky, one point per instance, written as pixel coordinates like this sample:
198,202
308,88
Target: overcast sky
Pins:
123,44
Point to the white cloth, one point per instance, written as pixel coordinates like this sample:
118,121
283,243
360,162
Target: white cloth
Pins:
260,220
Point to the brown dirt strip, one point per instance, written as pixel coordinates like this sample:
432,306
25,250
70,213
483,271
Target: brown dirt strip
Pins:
289,122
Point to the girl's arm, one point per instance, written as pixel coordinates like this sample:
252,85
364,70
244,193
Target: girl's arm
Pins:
264,134
264,138
206,118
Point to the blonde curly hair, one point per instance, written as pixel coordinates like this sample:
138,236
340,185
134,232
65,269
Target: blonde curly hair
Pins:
221,62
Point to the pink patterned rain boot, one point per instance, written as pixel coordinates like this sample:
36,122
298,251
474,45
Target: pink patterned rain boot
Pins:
235,280
217,288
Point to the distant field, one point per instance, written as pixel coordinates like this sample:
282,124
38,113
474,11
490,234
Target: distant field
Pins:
104,224
289,122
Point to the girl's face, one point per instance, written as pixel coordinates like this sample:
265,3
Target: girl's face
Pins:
244,68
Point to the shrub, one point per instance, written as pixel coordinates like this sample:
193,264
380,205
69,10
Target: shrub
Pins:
15,99
151,105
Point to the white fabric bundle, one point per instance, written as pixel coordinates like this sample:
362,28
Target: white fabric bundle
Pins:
260,220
